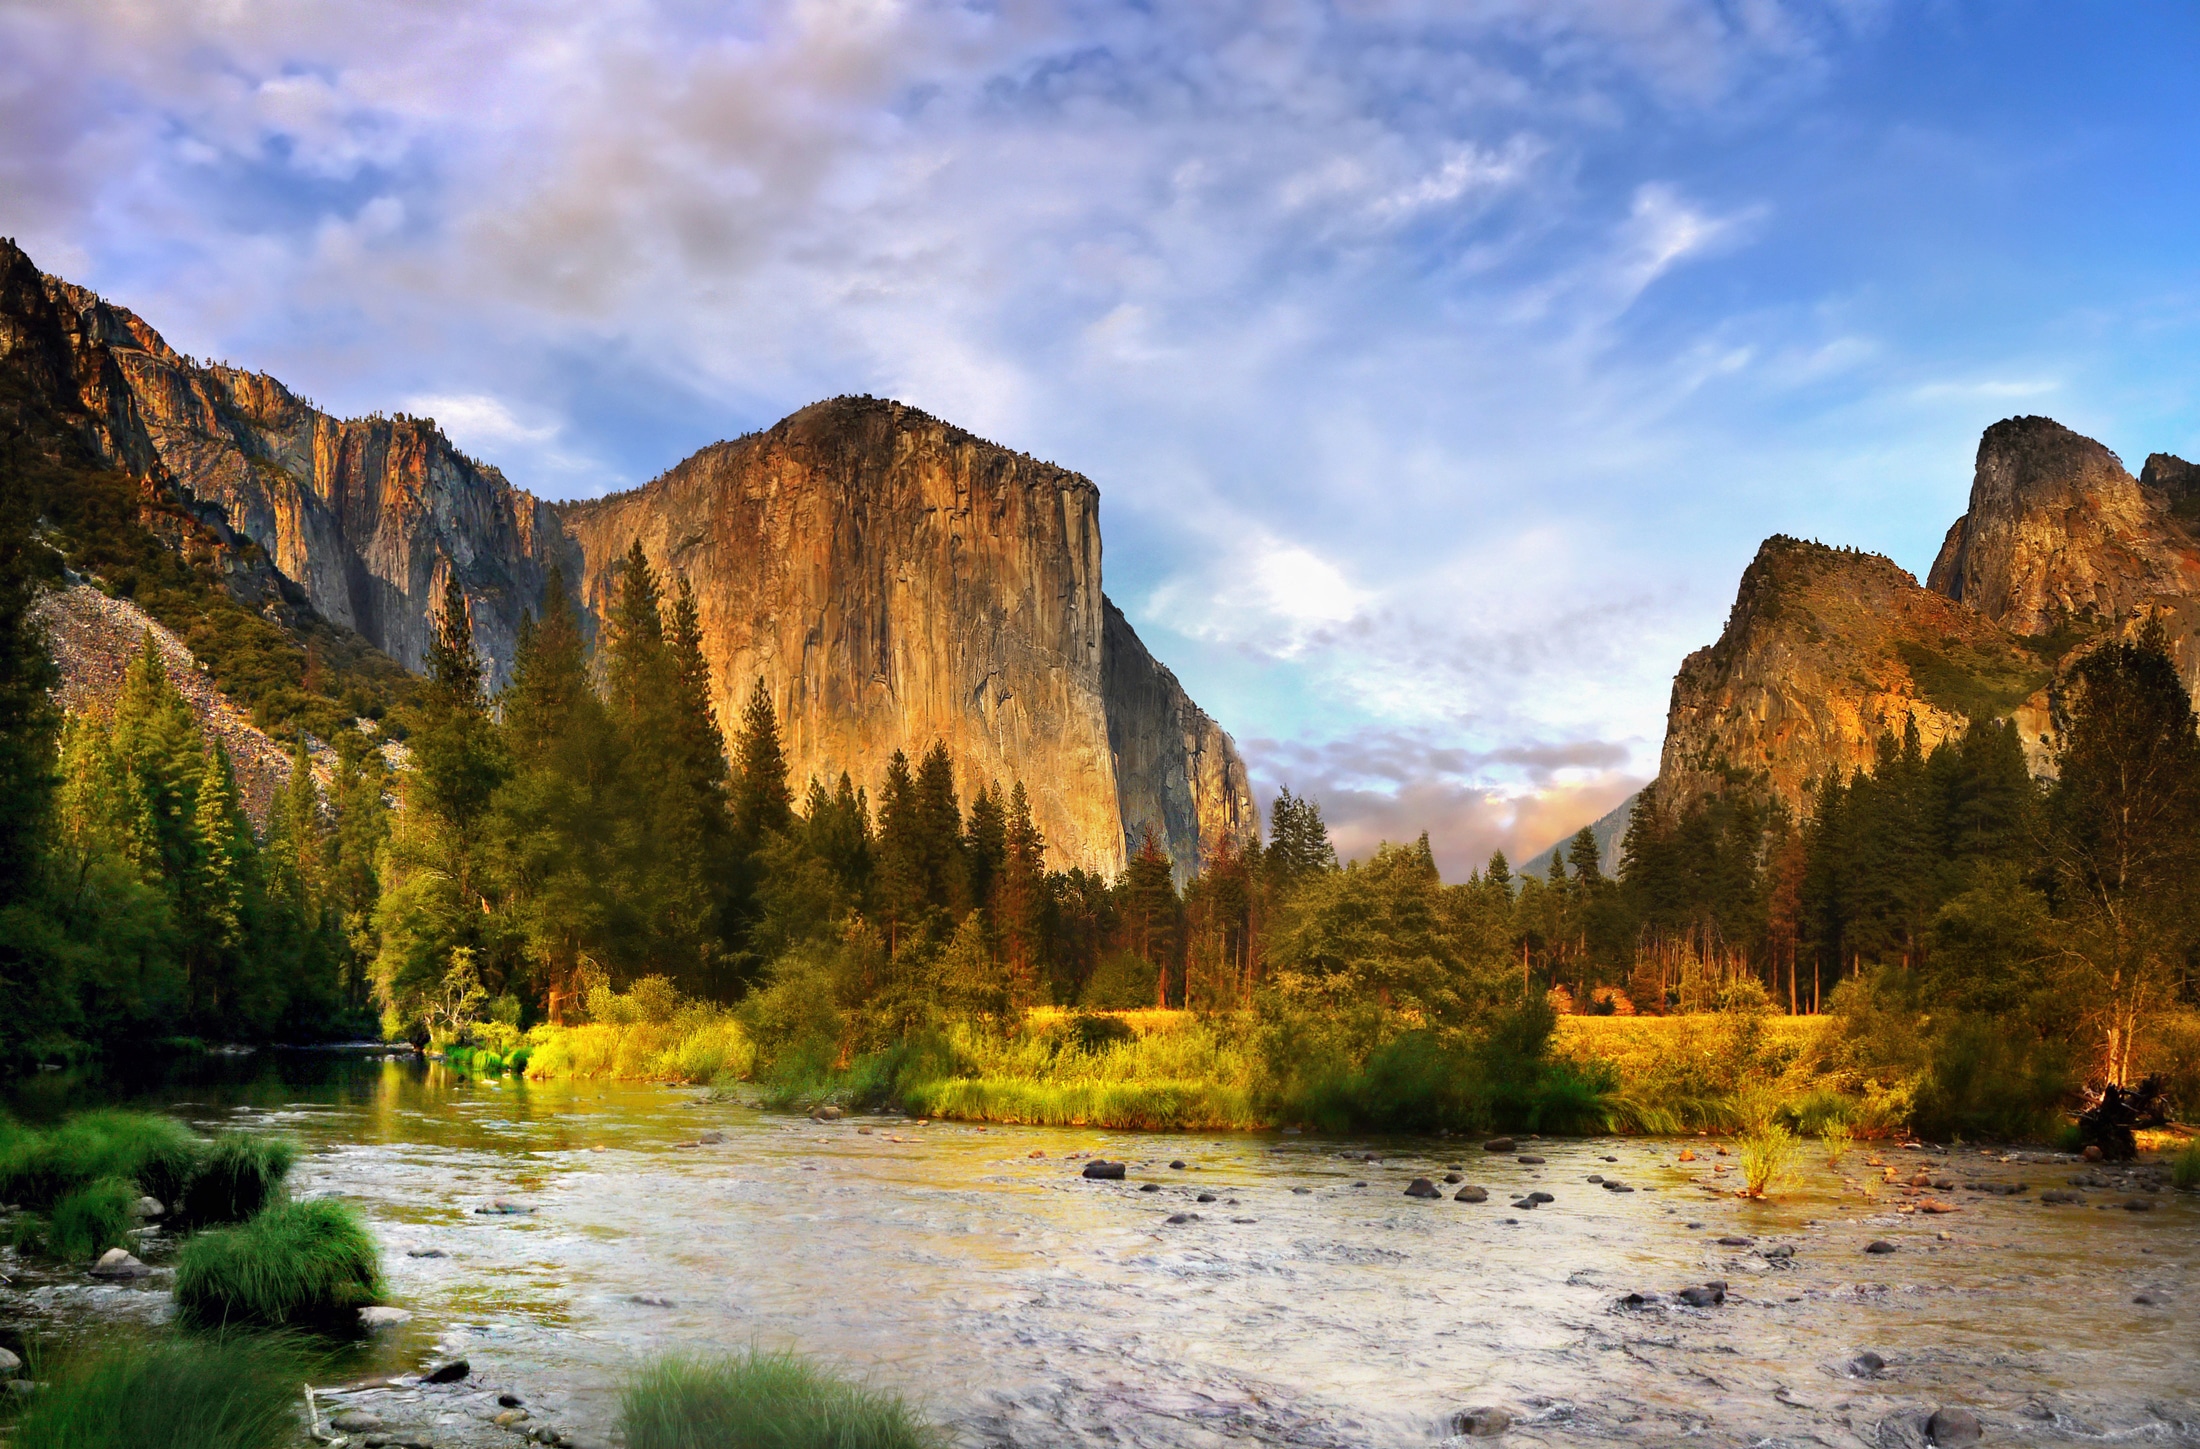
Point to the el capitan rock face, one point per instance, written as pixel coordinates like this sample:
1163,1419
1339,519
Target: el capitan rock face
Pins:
893,579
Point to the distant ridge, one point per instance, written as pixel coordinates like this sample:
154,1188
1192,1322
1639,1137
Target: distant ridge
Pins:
1610,831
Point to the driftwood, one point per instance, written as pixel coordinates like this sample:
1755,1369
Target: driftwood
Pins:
2118,1112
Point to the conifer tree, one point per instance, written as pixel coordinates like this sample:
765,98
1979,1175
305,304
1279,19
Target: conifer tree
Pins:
940,834
29,724
1298,840
1150,909
985,845
1020,898
838,829
762,801
900,860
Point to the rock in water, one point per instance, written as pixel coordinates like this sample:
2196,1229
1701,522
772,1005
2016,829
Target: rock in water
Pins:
1104,1171
1471,1193
355,1421
1498,1144
1422,1187
376,1318
9,1364
1484,1421
1953,1426
118,1263
448,1373
1879,1245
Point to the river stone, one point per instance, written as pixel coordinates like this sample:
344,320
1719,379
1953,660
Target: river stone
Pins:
426,1253
118,1263
1879,1245
1737,1242
1531,1161
355,1421
1302,1191
9,1363
1485,1421
1866,1364
1702,1297
1454,1178
1498,1144
448,1373
1422,1187
1471,1193
509,1417
1183,1217
1149,1187
1953,1426
1541,1197
2138,1205
1205,1197
503,1207
1177,1166
2062,1195
375,1318
1103,1171
825,1112
1780,1254
151,1207
711,1139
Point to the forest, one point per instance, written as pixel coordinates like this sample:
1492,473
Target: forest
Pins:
591,838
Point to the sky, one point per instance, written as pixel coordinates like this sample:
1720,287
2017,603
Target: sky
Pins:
1441,365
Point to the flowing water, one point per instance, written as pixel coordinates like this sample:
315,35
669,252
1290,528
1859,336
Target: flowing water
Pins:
1311,1302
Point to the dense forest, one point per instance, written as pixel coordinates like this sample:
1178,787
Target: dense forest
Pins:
592,827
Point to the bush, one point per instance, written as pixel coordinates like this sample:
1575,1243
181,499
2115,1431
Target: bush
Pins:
2185,1171
762,1401
296,1264
1765,1153
159,1154
92,1219
238,1175
209,1393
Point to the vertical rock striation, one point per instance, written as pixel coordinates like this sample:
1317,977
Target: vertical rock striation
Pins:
1176,772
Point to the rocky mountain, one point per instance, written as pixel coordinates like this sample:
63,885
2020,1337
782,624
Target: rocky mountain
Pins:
891,578
1827,648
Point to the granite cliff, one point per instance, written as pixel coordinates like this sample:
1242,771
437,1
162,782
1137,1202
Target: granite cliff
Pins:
1826,649
891,578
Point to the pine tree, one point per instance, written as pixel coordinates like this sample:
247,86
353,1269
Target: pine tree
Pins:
900,859
29,724
762,802
1150,910
986,844
456,754
1582,854
1298,840
838,829
1020,899
549,676
634,642
946,870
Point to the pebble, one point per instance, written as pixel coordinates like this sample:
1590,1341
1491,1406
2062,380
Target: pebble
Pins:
1737,1242
1177,1166
649,1300
1471,1193
1484,1421
1453,1177
510,1417
510,1401
1704,1297
1302,1191
504,1208
1953,1426
1205,1197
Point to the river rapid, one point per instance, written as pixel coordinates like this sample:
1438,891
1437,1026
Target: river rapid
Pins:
1310,1302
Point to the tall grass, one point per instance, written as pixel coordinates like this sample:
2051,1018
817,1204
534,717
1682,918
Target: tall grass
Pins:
1765,1151
762,1401
1151,1106
2185,1170
237,1175
37,1169
224,1392
1834,1137
92,1219
696,1045
306,1264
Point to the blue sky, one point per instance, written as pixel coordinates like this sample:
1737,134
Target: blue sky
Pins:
1441,365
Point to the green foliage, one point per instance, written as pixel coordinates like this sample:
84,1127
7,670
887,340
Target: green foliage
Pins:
1969,682
762,1400
306,1264
92,1219
159,1154
1765,1153
2184,1171
217,1392
238,1174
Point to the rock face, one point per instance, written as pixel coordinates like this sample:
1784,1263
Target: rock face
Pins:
893,579
1826,650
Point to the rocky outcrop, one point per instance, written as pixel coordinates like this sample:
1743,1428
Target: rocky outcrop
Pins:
894,580
1176,772
1826,650
368,516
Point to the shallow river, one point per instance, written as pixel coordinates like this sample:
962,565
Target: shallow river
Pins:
1310,1303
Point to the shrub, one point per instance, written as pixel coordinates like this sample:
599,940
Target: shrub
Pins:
209,1393
762,1401
92,1219
157,1153
2185,1171
1835,1137
296,1264
238,1175
1765,1153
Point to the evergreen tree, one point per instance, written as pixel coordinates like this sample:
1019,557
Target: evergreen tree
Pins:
837,827
985,846
1020,901
1150,911
901,883
762,801
1298,840
940,837
1499,873
29,725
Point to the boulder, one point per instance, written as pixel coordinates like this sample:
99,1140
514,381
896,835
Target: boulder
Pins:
355,1421
118,1263
151,1207
1484,1421
449,1372
1879,1245
1101,1170
1206,1197
1706,1296
1422,1187
825,1112
9,1364
1471,1193
1953,1426
375,1318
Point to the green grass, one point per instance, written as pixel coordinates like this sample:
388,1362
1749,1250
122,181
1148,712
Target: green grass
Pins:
1765,1151
1152,1106
238,1175
92,1219
306,1264
2185,1171
227,1392
38,1169
762,1401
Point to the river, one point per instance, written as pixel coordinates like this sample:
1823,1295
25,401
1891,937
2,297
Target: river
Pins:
1310,1302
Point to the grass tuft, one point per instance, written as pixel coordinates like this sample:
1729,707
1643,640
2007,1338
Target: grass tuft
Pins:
1835,1138
1765,1151
227,1392
238,1176
2185,1170
762,1401
38,1169
92,1219
306,1264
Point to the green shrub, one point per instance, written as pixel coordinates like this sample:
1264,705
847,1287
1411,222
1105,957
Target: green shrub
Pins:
92,1219
519,1060
1765,1151
2185,1171
296,1264
159,1154
762,1401
238,1175
225,1392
